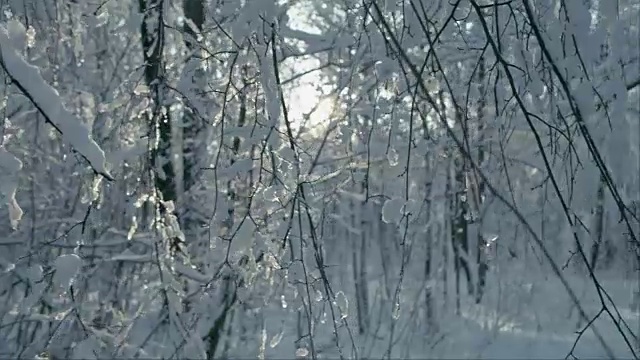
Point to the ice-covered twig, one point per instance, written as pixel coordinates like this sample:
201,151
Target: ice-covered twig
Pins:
48,102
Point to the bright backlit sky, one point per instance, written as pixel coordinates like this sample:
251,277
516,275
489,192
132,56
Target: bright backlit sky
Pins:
305,95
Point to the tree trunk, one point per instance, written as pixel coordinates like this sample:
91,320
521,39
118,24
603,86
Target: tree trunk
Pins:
428,271
447,224
360,264
192,126
459,228
152,35
481,258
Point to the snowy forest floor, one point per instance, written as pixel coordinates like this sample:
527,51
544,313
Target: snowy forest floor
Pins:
516,321
543,325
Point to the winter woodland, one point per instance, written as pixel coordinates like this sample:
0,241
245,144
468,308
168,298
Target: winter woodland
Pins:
236,179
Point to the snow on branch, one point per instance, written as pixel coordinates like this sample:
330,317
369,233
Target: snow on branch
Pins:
47,100
9,167
633,84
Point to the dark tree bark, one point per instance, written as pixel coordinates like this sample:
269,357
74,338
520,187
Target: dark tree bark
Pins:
481,258
192,126
152,36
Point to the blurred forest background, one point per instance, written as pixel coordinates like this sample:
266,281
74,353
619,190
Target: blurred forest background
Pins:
319,179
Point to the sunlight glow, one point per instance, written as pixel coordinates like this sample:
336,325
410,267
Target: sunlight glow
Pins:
307,104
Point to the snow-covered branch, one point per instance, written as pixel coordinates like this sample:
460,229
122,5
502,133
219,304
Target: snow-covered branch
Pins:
47,100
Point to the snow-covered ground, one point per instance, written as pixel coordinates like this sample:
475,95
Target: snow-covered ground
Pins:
530,321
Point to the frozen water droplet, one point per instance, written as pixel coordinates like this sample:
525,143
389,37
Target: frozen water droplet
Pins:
270,194
343,304
392,157
276,339
31,37
141,89
396,311
302,352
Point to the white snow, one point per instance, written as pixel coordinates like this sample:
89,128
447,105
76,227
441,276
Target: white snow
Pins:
393,157
17,34
275,340
302,352
9,167
334,267
48,101
15,212
271,92
129,256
